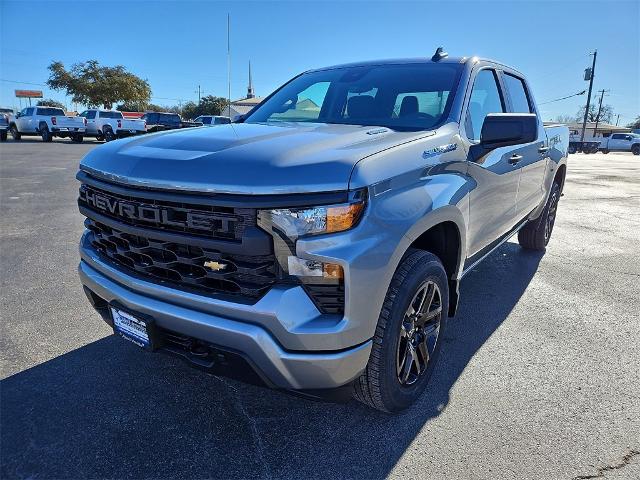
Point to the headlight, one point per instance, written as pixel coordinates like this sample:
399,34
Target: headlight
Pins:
295,223
286,225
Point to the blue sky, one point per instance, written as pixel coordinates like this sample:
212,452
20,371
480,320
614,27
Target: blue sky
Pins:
177,46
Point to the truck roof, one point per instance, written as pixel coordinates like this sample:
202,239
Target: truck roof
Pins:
402,61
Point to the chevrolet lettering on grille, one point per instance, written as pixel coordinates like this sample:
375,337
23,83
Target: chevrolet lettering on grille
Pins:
157,215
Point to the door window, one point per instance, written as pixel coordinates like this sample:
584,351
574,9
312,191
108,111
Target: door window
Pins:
517,94
91,115
485,99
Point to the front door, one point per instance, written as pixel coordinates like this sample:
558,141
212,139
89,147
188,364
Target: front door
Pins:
492,211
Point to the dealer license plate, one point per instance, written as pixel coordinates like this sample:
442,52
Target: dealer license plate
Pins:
130,328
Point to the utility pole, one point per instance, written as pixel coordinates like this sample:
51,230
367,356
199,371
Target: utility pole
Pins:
617,120
595,130
198,94
229,63
586,110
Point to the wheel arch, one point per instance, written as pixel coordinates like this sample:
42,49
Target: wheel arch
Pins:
561,175
445,240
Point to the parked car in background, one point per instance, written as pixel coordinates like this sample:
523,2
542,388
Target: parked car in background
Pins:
110,124
6,115
621,142
159,121
319,245
588,145
48,122
213,119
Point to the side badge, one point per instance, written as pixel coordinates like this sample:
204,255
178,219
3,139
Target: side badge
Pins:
439,150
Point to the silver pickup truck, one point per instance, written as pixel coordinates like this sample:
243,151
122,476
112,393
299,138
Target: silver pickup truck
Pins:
47,122
318,246
110,125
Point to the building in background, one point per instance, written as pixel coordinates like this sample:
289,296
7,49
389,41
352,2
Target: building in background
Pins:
243,105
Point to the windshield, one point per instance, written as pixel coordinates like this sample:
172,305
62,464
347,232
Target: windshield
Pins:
406,96
110,114
50,111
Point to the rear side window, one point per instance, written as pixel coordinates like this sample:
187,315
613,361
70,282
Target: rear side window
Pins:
206,120
617,136
110,114
222,120
50,111
485,99
517,94
91,114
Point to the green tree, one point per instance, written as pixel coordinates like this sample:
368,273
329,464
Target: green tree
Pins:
93,85
48,102
209,105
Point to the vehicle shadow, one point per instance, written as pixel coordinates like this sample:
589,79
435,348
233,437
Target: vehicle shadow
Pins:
111,410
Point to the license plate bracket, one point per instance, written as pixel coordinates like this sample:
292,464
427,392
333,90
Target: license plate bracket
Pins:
134,327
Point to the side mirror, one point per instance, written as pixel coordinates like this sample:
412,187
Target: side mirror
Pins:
504,129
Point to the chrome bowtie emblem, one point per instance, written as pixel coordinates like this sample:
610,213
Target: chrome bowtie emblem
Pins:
438,150
215,266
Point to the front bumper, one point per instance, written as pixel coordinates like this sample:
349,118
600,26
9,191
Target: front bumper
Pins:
278,367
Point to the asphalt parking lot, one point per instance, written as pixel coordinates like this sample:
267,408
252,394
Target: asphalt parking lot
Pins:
539,375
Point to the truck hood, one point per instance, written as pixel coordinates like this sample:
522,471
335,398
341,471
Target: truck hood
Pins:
244,158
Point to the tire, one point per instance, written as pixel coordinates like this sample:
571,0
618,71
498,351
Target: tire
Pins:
605,151
389,383
572,149
635,149
45,133
109,135
77,138
536,233
3,136
14,133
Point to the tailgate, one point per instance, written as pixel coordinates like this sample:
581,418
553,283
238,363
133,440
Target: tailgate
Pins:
132,124
69,122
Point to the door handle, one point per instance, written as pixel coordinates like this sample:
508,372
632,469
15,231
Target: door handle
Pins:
514,159
543,149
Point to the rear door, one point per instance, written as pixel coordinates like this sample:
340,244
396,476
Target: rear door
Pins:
492,211
533,161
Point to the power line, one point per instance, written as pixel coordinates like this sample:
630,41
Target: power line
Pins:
25,83
564,98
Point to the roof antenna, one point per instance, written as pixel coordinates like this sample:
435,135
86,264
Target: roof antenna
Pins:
439,55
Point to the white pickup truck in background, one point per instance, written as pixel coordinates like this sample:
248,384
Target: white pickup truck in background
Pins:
110,124
621,142
48,122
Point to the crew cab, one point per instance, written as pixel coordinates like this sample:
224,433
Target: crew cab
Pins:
110,124
621,142
48,122
212,120
319,245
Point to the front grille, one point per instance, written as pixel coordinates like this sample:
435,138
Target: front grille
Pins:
183,265
225,223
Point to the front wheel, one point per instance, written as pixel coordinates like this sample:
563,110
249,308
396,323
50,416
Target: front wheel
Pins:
15,134
408,336
605,151
45,133
635,149
3,136
536,233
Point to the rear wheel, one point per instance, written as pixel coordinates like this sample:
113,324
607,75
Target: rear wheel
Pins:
77,138
109,135
408,336
635,149
45,133
605,151
14,133
572,149
536,233
3,136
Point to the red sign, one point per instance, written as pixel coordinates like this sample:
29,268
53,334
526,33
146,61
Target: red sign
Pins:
28,93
